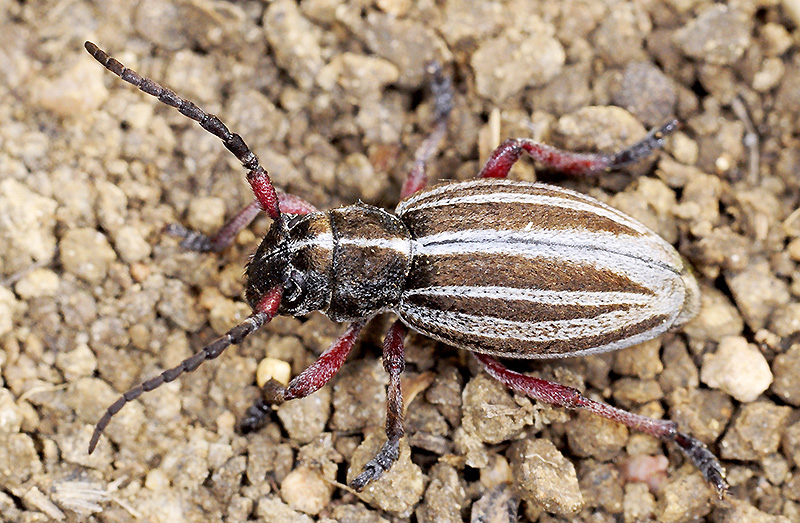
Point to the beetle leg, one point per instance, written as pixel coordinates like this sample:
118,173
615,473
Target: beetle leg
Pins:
197,241
509,152
563,396
394,362
307,382
442,88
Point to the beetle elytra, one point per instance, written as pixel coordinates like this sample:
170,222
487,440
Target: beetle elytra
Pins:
493,266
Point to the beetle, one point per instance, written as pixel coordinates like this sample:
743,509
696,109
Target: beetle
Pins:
494,266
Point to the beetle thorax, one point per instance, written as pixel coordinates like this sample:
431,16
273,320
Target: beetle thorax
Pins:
349,262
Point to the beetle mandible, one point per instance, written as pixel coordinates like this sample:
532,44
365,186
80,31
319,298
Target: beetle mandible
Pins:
493,266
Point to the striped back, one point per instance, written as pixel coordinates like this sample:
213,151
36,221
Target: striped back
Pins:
531,270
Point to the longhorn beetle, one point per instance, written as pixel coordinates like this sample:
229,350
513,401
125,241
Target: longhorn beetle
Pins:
494,266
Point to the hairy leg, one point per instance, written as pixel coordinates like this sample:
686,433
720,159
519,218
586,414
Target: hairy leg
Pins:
307,382
394,363
505,156
568,397
443,100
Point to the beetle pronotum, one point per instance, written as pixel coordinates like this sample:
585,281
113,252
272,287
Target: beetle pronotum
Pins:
493,266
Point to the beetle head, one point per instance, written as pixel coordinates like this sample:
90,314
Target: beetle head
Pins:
297,254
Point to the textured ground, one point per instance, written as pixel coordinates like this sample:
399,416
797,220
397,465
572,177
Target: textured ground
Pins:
332,97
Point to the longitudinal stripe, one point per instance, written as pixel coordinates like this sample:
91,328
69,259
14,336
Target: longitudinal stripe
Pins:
546,339
528,216
512,270
565,244
508,308
528,330
544,297
534,204
446,195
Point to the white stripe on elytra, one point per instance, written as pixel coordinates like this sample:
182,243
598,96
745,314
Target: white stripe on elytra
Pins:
620,343
545,297
530,331
408,204
458,186
574,244
509,198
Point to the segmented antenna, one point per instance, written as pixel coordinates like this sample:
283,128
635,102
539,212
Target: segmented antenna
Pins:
264,312
257,176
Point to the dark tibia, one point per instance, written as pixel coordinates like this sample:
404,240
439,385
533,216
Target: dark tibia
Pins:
257,176
197,241
264,312
394,363
562,396
442,88
307,382
509,152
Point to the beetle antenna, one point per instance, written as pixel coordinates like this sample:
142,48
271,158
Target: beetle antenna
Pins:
257,176
264,312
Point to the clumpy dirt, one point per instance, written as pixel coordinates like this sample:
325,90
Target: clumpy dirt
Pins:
333,97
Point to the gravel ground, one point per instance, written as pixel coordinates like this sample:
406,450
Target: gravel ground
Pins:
333,98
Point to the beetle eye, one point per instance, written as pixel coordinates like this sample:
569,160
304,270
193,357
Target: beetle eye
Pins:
294,288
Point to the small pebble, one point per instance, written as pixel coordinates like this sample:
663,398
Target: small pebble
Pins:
444,498
490,412
27,222
685,497
516,59
758,293
131,245
37,283
650,470
545,478
304,489
276,511
719,35
737,368
638,503
786,368
305,418
206,214
87,254
78,363
498,504
273,369
9,308
755,432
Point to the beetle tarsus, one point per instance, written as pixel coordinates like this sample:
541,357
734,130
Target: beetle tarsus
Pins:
191,240
381,463
704,460
645,147
255,417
